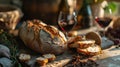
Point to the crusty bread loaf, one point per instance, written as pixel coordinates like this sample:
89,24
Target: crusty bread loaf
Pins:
92,50
42,38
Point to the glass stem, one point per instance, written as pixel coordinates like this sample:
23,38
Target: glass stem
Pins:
66,35
104,36
104,32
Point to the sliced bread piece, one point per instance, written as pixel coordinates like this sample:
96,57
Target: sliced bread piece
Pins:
92,50
82,44
42,61
50,57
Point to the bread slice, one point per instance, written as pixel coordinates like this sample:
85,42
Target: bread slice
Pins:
74,39
72,33
94,36
50,57
92,50
42,61
82,44
24,57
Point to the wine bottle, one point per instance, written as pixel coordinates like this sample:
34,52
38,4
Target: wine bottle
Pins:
85,15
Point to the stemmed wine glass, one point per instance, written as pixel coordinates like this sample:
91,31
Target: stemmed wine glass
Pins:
66,21
104,21
67,18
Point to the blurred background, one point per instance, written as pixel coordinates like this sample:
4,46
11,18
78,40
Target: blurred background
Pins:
48,10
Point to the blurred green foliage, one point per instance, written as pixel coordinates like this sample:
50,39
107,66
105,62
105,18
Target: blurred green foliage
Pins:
111,6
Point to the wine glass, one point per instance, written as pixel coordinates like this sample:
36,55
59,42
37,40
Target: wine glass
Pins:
104,21
66,21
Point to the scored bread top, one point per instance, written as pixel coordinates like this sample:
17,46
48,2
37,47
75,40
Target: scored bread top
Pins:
42,38
36,25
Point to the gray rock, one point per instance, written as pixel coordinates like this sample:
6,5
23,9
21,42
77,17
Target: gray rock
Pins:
5,62
106,43
4,51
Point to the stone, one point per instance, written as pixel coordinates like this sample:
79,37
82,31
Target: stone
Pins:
106,43
4,51
5,62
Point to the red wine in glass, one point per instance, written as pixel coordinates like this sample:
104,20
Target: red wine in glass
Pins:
104,21
66,21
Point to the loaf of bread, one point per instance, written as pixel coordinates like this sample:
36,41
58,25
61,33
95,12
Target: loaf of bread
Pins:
42,38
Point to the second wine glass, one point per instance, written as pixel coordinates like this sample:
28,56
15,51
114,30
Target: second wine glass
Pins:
66,21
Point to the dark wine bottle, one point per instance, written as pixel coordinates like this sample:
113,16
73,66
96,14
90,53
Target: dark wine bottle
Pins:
85,19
